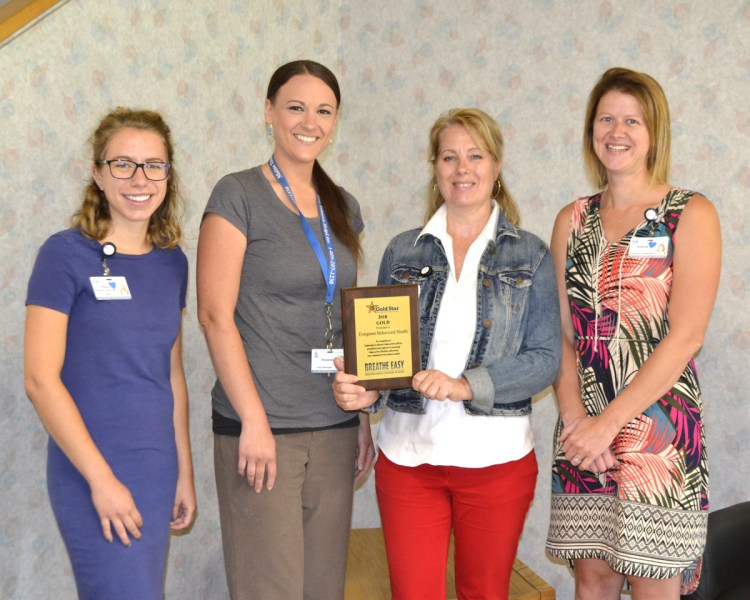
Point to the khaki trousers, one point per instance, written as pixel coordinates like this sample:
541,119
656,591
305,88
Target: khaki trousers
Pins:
289,543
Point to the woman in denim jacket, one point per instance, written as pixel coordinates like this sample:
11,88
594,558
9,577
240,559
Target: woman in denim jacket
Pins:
457,448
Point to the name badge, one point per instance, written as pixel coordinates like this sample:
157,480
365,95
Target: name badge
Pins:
321,359
649,247
110,288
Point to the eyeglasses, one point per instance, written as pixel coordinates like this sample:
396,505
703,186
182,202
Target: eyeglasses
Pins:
125,169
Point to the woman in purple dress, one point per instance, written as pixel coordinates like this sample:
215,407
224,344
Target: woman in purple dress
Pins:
103,364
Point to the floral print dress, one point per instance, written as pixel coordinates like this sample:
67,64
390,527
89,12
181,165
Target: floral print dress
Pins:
648,517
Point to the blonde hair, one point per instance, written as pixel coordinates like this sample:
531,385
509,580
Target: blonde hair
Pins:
653,102
486,133
93,217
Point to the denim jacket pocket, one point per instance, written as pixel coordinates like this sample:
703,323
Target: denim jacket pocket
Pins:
515,288
421,274
503,314
408,274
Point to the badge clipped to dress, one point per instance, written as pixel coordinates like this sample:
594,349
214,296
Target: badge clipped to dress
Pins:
106,287
649,247
110,288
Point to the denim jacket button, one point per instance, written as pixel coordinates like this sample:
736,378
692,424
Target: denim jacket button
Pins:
493,249
486,282
519,280
487,323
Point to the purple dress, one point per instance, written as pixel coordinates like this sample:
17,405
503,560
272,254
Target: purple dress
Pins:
117,369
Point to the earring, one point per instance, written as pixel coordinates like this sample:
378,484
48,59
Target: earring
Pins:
269,131
330,141
496,195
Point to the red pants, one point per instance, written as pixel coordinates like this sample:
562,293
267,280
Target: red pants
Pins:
486,508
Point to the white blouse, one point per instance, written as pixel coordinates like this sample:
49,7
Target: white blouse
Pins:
446,435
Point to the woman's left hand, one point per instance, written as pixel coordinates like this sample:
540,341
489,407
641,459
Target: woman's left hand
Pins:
585,440
185,505
365,448
435,384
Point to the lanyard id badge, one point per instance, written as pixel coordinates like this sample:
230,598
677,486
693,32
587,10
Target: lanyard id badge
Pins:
321,359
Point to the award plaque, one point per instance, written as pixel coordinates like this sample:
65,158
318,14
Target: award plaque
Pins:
381,334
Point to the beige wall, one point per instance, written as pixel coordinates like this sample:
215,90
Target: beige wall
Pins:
205,66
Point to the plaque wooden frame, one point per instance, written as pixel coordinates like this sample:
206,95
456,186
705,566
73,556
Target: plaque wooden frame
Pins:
349,327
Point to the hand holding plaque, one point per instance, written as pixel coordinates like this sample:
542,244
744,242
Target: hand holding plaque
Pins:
381,335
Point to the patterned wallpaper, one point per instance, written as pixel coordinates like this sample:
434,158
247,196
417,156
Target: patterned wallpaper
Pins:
206,65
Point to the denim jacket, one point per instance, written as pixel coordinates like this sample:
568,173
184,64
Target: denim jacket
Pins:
517,343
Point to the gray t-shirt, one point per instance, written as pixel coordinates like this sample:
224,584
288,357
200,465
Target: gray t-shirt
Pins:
280,310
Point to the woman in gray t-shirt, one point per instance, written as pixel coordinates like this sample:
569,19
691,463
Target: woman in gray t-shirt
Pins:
276,243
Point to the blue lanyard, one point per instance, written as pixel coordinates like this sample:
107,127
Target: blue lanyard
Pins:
328,270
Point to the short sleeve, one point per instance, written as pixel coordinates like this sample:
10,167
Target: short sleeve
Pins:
53,283
228,200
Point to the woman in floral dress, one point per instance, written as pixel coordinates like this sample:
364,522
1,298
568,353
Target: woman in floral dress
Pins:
638,269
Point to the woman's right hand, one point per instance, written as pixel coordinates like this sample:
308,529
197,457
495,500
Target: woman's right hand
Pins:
117,510
44,354
257,460
348,395
607,461
221,257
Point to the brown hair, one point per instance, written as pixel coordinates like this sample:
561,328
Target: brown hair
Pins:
650,96
93,216
486,133
333,201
